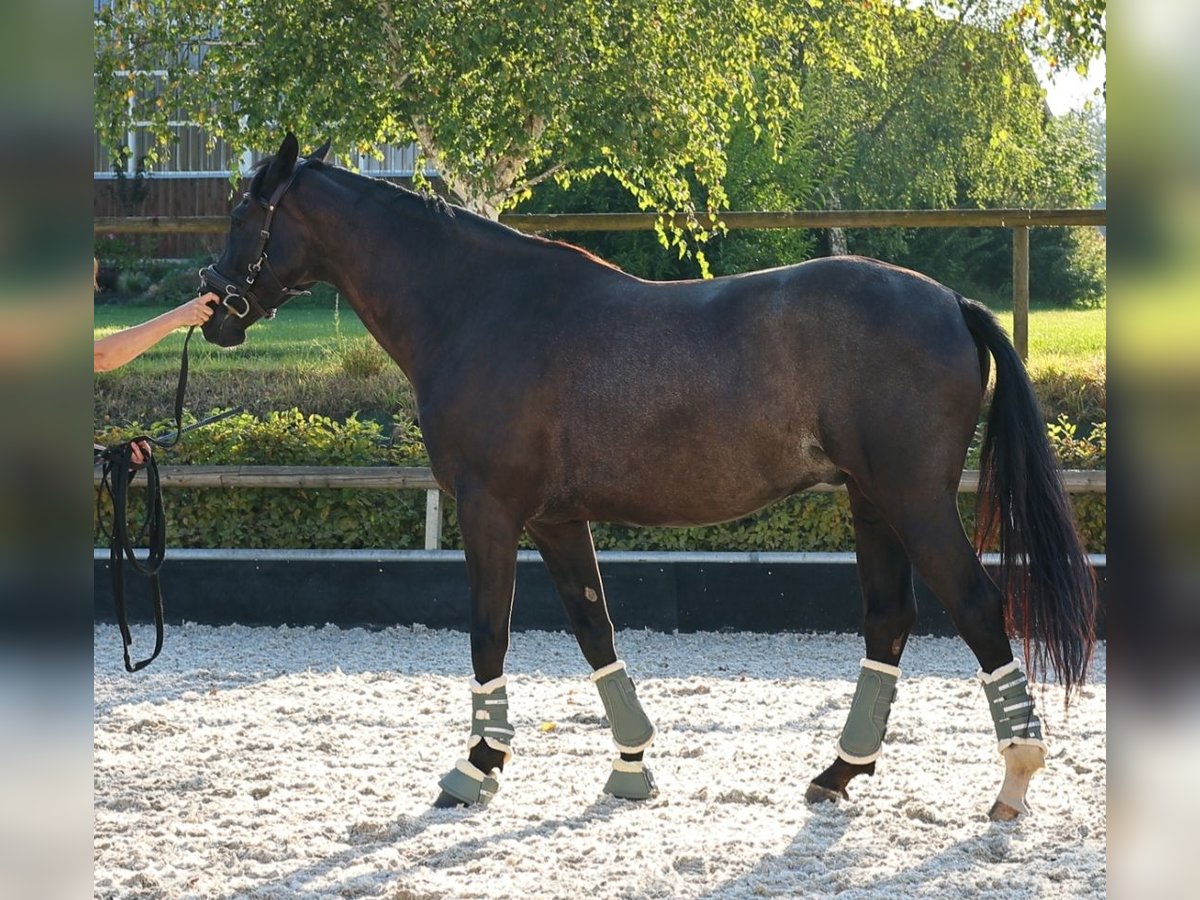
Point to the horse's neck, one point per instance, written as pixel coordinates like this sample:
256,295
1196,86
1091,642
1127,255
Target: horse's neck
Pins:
406,280
417,277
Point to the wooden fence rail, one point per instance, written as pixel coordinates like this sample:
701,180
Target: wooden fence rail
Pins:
1019,220
537,223
1076,481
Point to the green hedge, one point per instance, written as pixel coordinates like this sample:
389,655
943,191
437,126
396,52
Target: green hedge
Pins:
364,382
336,518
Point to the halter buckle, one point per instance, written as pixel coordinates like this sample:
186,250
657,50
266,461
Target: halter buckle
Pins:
228,304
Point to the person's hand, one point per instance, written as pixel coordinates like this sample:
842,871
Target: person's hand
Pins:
198,310
140,452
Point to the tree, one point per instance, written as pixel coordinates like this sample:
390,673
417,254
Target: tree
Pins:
498,95
954,116
503,95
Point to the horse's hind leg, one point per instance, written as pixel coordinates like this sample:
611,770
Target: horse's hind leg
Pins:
490,534
571,559
889,610
933,534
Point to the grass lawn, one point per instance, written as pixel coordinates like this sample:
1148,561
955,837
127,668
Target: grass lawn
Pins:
1069,339
304,338
311,338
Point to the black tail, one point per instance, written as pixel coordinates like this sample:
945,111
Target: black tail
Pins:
1049,589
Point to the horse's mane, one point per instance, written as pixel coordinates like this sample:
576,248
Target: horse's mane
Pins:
388,193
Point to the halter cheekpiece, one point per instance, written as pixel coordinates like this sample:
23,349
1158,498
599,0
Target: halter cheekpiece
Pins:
239,297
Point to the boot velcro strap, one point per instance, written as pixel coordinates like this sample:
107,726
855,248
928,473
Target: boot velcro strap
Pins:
1012,709
489,717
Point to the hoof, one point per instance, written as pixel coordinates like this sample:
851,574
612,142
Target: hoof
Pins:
631,781
447,801
818,794
1002,812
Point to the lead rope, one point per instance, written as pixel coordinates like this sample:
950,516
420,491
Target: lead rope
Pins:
115,482
116,473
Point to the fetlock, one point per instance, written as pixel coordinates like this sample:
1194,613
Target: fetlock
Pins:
489,747
632,733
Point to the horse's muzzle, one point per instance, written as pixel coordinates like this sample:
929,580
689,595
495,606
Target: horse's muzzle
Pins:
223,329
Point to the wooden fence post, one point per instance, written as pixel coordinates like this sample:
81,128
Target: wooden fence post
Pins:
1020,290
433,519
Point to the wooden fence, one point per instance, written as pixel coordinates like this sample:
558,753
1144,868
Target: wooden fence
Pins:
1076,481
1019,220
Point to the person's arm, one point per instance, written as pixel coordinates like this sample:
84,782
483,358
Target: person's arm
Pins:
117,349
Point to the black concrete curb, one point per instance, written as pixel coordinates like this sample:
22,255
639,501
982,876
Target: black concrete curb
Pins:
687,592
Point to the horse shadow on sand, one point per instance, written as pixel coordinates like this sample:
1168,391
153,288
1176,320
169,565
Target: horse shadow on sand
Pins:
366,843
812,865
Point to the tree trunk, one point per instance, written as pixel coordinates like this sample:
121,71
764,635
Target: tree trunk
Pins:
837,242
507,173
838,245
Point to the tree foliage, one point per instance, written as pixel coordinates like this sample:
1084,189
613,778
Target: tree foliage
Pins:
951,114
499,95
502,95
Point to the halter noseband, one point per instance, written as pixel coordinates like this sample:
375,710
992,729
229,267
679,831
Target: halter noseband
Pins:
239,296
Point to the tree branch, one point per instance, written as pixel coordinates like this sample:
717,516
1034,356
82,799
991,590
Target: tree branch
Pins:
538,179
392,39
916,73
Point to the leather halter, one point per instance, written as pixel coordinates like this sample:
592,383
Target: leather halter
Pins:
240,296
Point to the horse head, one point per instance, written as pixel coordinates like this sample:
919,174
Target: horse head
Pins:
265,260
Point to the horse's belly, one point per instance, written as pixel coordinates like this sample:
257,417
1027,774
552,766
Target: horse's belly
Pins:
685,513
688,495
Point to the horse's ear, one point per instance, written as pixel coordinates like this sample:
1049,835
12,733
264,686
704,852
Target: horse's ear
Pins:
322,152
283,164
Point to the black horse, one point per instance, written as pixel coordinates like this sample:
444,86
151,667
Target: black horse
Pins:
554,389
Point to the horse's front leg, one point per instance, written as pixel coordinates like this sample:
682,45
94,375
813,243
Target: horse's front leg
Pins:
571,558
490,532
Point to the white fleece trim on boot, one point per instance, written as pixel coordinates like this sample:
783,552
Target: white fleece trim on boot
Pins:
608,670
1032,742
640,747
634,767
477,688
1006,669
880,667
499,746
859,760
